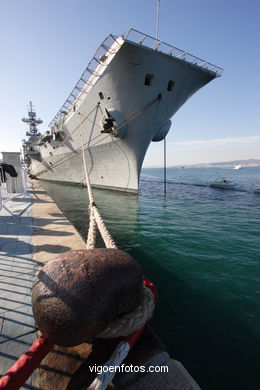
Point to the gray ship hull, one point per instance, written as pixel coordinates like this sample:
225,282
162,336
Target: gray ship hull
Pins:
136,89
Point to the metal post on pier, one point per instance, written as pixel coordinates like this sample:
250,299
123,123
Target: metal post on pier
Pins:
164,164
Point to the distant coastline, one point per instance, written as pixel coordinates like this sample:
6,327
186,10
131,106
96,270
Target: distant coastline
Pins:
225,164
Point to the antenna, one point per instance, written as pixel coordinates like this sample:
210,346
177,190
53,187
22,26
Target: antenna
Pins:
164,141
157,18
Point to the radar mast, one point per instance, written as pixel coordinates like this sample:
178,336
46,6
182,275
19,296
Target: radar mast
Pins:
32,121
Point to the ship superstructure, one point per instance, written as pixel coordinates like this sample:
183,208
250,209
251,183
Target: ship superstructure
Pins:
124,100
33,135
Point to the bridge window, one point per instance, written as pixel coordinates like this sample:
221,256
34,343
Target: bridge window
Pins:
170,85
148,79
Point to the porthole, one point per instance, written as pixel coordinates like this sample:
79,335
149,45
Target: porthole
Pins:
170,85
148,79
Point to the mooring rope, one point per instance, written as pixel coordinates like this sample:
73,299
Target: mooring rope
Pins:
103,379
131,337
22,369
95,219
92,230
131,322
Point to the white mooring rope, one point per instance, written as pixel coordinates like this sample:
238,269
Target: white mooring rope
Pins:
102,380
92,230
95,219
130,322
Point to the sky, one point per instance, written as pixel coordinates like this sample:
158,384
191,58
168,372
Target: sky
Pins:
46,44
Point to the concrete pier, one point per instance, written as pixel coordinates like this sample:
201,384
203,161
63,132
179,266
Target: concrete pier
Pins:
33,231
52,232
17,274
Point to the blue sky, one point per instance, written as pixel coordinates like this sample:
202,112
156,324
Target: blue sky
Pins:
46,44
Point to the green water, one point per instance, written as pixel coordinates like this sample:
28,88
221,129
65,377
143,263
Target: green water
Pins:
201,247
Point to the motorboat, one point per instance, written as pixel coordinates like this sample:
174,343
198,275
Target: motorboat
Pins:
223,183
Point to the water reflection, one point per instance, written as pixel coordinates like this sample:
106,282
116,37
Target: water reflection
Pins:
119,210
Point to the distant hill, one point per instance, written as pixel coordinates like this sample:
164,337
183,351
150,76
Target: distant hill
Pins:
228,164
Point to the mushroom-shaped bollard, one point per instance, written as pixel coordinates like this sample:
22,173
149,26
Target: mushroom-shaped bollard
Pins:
78,294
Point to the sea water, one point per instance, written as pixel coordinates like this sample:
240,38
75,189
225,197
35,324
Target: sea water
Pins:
201,248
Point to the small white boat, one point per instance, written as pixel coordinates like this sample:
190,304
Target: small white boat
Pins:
222,183
237,167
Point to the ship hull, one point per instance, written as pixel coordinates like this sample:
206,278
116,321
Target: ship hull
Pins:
141,89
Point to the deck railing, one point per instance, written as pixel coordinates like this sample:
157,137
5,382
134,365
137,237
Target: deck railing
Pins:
157,45
106,52
91,74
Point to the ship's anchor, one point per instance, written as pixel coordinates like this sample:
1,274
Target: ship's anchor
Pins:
109,124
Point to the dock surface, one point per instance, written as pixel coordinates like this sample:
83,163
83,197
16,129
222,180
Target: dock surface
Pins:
33,230
17,274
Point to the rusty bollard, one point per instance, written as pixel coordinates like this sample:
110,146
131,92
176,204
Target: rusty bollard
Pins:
77,295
